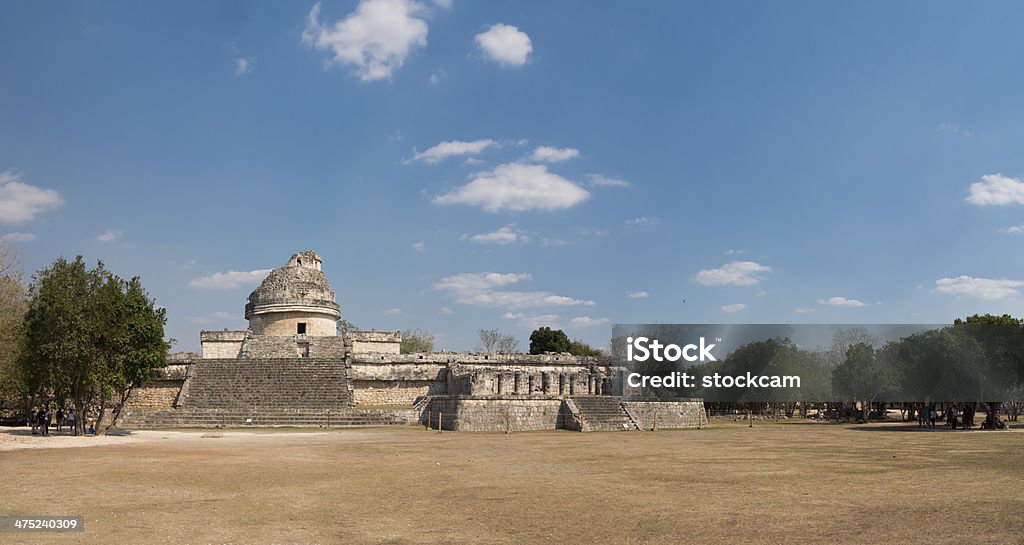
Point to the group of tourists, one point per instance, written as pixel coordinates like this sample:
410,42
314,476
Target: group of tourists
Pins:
45,418
928,416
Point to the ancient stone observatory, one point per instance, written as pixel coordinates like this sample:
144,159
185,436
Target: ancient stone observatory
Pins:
294,300
290,368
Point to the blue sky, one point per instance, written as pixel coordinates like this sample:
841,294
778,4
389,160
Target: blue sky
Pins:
477,165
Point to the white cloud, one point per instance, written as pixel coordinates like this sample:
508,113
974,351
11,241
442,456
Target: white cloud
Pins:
520,299
21,202
505,235
108,236
733,308
982,288
532,321
1015,230
18,237
803,310
505,44
604,181
446,311
954,129
732,251
642,220
393,311
552,242
996,189
479,289
587,321
517,187
242,67
419,247
443,4
229,280
374,39
216,317
737,273
637,294
550,154
479,281
451,148
840,302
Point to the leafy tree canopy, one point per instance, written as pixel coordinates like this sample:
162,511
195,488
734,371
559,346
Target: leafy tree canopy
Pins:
545,339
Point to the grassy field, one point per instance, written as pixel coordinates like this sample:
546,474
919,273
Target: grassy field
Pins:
773,483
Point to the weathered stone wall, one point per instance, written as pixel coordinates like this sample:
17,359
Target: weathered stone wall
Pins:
221,344
159,394
670,414
385,342
295,346
396,393
459,413
163,392
286,323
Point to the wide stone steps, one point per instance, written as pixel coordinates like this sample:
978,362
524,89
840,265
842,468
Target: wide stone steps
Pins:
150,418
268,384
603,413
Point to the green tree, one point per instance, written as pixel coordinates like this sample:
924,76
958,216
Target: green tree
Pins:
132,343
13,302
1002,339
861,377
545,339
416,340
580,348
90,337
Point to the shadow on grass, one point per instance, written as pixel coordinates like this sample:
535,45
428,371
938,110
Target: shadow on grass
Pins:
909,427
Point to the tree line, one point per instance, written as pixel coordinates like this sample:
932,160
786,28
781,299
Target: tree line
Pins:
977,359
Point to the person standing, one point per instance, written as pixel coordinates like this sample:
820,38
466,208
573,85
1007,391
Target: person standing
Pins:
60,417
41,421
71,421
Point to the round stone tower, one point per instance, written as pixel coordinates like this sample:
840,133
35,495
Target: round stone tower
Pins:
294,300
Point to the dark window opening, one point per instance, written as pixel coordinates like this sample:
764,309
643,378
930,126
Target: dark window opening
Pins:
302,328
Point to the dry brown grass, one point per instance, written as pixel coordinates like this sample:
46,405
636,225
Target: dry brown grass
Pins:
775,483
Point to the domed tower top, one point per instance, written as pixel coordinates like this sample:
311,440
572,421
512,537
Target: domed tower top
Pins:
295,299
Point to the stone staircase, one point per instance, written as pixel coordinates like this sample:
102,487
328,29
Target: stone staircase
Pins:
266,392
233,418
267,386
603,413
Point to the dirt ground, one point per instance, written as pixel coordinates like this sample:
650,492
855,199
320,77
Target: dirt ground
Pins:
773,483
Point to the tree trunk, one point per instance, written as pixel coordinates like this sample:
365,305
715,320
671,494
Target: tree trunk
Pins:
118,409
99,418
991,414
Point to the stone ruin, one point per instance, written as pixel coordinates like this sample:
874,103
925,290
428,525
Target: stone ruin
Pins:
291,368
